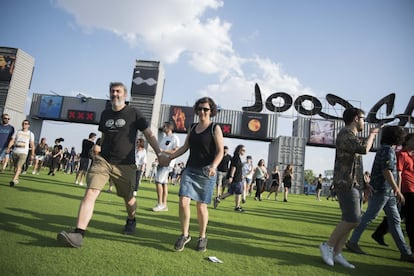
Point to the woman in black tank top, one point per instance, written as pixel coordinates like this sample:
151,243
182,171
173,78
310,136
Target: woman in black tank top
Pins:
205,142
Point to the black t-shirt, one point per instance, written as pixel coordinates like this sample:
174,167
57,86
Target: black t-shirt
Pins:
224,164
238,164
86,148
119,130
56,149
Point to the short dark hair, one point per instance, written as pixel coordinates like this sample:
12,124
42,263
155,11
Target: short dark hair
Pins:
170,125
350,113
213,106
392,135
114,84
92,134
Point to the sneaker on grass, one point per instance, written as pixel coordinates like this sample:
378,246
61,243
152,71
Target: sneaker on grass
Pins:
71,238
340,259
181,242
13,182
327,253
160,208
354,247
407,258
202,244
239,209
216,202
130,227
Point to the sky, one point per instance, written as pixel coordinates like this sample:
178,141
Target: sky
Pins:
359,50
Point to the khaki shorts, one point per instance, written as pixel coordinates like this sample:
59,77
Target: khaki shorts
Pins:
19,159
122,176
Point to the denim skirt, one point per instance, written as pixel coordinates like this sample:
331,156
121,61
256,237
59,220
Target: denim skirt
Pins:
195,185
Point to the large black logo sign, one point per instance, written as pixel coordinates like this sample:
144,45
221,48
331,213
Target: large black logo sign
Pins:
333,100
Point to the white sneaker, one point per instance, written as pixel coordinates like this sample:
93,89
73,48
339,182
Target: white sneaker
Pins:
135,193
81,184
340,259
33,172
158,207
327,253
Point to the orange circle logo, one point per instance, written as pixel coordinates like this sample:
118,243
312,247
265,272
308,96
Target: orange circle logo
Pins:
254,125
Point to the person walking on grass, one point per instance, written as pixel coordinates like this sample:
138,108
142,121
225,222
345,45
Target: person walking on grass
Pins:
386,193
346,177
287,181
405,168
205,142
247,172
260,176
6,133
140,163
85,158
40,153
57,154
235,180
22,140
116,162
222,172
274,186
318,187
169,144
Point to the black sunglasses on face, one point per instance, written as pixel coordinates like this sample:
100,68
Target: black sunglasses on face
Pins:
205,109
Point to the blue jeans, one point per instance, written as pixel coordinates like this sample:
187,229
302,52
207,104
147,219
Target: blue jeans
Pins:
387,202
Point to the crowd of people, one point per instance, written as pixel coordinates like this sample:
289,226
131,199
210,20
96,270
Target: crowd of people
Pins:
212,174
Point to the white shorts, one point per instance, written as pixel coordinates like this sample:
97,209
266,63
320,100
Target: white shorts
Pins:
162,175
40,157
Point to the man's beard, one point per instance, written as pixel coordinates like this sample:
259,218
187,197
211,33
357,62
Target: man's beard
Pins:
117,102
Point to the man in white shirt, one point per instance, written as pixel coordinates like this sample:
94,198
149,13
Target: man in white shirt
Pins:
22,140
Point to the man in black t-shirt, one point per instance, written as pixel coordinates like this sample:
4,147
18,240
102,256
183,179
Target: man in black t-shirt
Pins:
115,163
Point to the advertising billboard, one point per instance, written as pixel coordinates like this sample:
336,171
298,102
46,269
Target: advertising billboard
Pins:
182,117
7,63
144,81
321,133
50,106
254,125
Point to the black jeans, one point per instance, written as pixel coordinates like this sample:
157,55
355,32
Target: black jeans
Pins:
408,213
259,187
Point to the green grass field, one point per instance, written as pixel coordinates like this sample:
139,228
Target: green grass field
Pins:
270,238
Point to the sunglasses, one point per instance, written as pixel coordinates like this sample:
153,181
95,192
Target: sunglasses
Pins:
6,118
205,109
